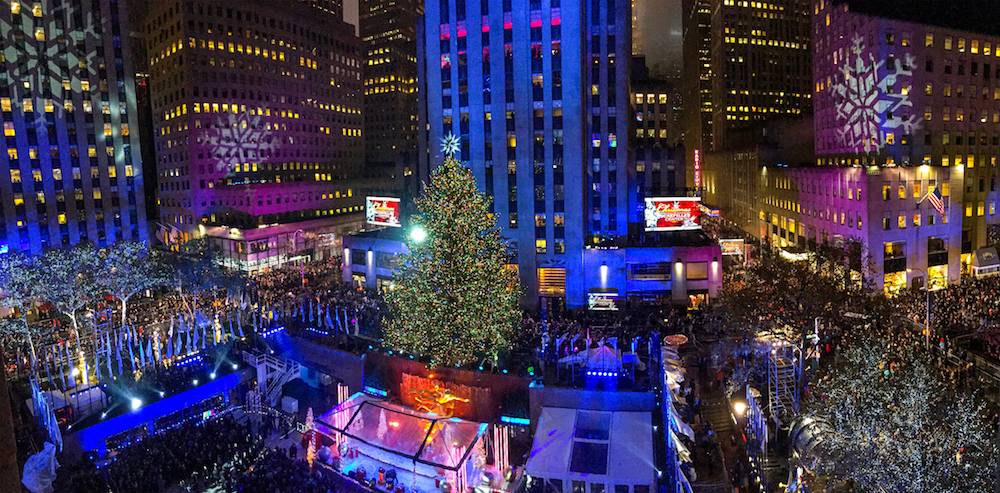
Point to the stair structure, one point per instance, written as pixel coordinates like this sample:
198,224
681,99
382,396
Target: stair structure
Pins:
272,374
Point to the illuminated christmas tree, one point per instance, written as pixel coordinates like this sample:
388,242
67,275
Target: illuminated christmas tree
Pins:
455,301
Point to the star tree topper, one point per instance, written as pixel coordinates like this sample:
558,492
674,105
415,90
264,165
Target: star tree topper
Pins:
450,145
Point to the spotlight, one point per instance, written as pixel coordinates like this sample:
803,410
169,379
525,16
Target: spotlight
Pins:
135,403
235,366
161,393
104,415
740,408
418,234
195,381
212,375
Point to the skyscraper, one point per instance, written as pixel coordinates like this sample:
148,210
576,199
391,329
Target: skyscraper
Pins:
761,64
542,112
389,32
335,7
658,158
258,123
696,78
72,169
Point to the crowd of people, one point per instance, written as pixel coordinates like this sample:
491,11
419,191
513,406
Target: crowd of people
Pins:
968,309
196,454
277,472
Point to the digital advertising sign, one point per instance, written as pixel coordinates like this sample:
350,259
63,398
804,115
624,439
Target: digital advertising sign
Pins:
382,211
673,213
602,301
732,246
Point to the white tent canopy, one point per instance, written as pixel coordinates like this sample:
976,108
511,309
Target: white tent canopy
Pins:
596,447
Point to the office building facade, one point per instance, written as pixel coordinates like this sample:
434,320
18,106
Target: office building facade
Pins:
72,170
904,240
761,66
908,88
696,80
257,109
389,33
658,153
541,109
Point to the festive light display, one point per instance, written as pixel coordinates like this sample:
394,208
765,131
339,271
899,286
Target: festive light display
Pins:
455,301
54,48
895,425
867,104
239,139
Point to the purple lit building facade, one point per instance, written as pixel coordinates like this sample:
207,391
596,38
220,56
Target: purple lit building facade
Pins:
911,87
258,115
905,105
72,170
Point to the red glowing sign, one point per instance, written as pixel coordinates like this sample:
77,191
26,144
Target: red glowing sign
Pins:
697,168
673,213
382,211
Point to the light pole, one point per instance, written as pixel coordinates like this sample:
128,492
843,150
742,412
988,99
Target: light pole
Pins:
927,304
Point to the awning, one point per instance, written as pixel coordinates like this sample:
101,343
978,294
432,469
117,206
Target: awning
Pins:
596,446
986,257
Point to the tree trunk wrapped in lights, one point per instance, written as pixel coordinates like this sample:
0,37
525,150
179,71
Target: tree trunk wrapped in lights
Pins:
455,301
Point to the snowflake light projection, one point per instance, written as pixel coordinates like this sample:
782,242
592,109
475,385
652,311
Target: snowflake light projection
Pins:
48,52
868,100
239,138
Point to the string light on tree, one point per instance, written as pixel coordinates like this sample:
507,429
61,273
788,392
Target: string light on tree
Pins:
455,300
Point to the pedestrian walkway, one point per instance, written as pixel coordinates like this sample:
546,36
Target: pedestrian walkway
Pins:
726,456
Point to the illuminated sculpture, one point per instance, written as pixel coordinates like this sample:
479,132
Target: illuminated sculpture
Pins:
436,400
450,145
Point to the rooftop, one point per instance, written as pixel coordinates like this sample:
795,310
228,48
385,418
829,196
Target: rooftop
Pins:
963,15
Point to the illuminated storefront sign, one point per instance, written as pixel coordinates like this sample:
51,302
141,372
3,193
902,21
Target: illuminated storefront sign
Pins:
382,211
673,213
732,246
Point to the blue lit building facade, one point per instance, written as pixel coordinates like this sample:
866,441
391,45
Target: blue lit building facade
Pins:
71,170
537,91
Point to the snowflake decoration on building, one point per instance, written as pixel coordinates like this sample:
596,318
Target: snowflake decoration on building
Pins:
450,145
45,52
868,101
239,138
